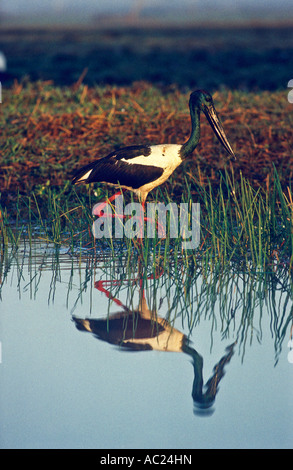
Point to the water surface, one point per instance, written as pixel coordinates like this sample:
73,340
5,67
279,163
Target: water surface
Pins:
177,362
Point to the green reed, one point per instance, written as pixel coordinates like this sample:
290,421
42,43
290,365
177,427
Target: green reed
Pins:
241,223
187,292
238,223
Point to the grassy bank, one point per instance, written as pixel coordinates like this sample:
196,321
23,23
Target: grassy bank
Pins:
49,131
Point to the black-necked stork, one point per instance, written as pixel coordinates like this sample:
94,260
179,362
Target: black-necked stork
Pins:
142,329
141,168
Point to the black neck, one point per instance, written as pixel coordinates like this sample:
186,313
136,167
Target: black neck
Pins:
193,140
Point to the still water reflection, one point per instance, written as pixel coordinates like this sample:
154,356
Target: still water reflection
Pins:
142,330
61,388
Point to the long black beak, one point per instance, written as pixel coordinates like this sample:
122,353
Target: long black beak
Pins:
217,127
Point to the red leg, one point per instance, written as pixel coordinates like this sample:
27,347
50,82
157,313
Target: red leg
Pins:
100,286
98,209
160,228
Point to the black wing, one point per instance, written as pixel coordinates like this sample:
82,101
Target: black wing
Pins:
112,170
121,328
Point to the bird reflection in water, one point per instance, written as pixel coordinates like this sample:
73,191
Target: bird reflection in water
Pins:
142,330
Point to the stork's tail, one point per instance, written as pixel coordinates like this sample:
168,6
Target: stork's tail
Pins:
83,174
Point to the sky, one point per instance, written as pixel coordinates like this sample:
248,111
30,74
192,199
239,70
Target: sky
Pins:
15,6
85,10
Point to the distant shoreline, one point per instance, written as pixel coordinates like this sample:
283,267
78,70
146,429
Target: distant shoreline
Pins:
145,24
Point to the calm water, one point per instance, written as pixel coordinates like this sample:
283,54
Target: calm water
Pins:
94,364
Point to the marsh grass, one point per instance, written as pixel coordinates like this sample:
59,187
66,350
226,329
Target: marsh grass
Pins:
184,291
246,210
252,227
246,224
49,131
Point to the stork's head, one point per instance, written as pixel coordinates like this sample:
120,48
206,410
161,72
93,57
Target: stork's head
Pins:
201,100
